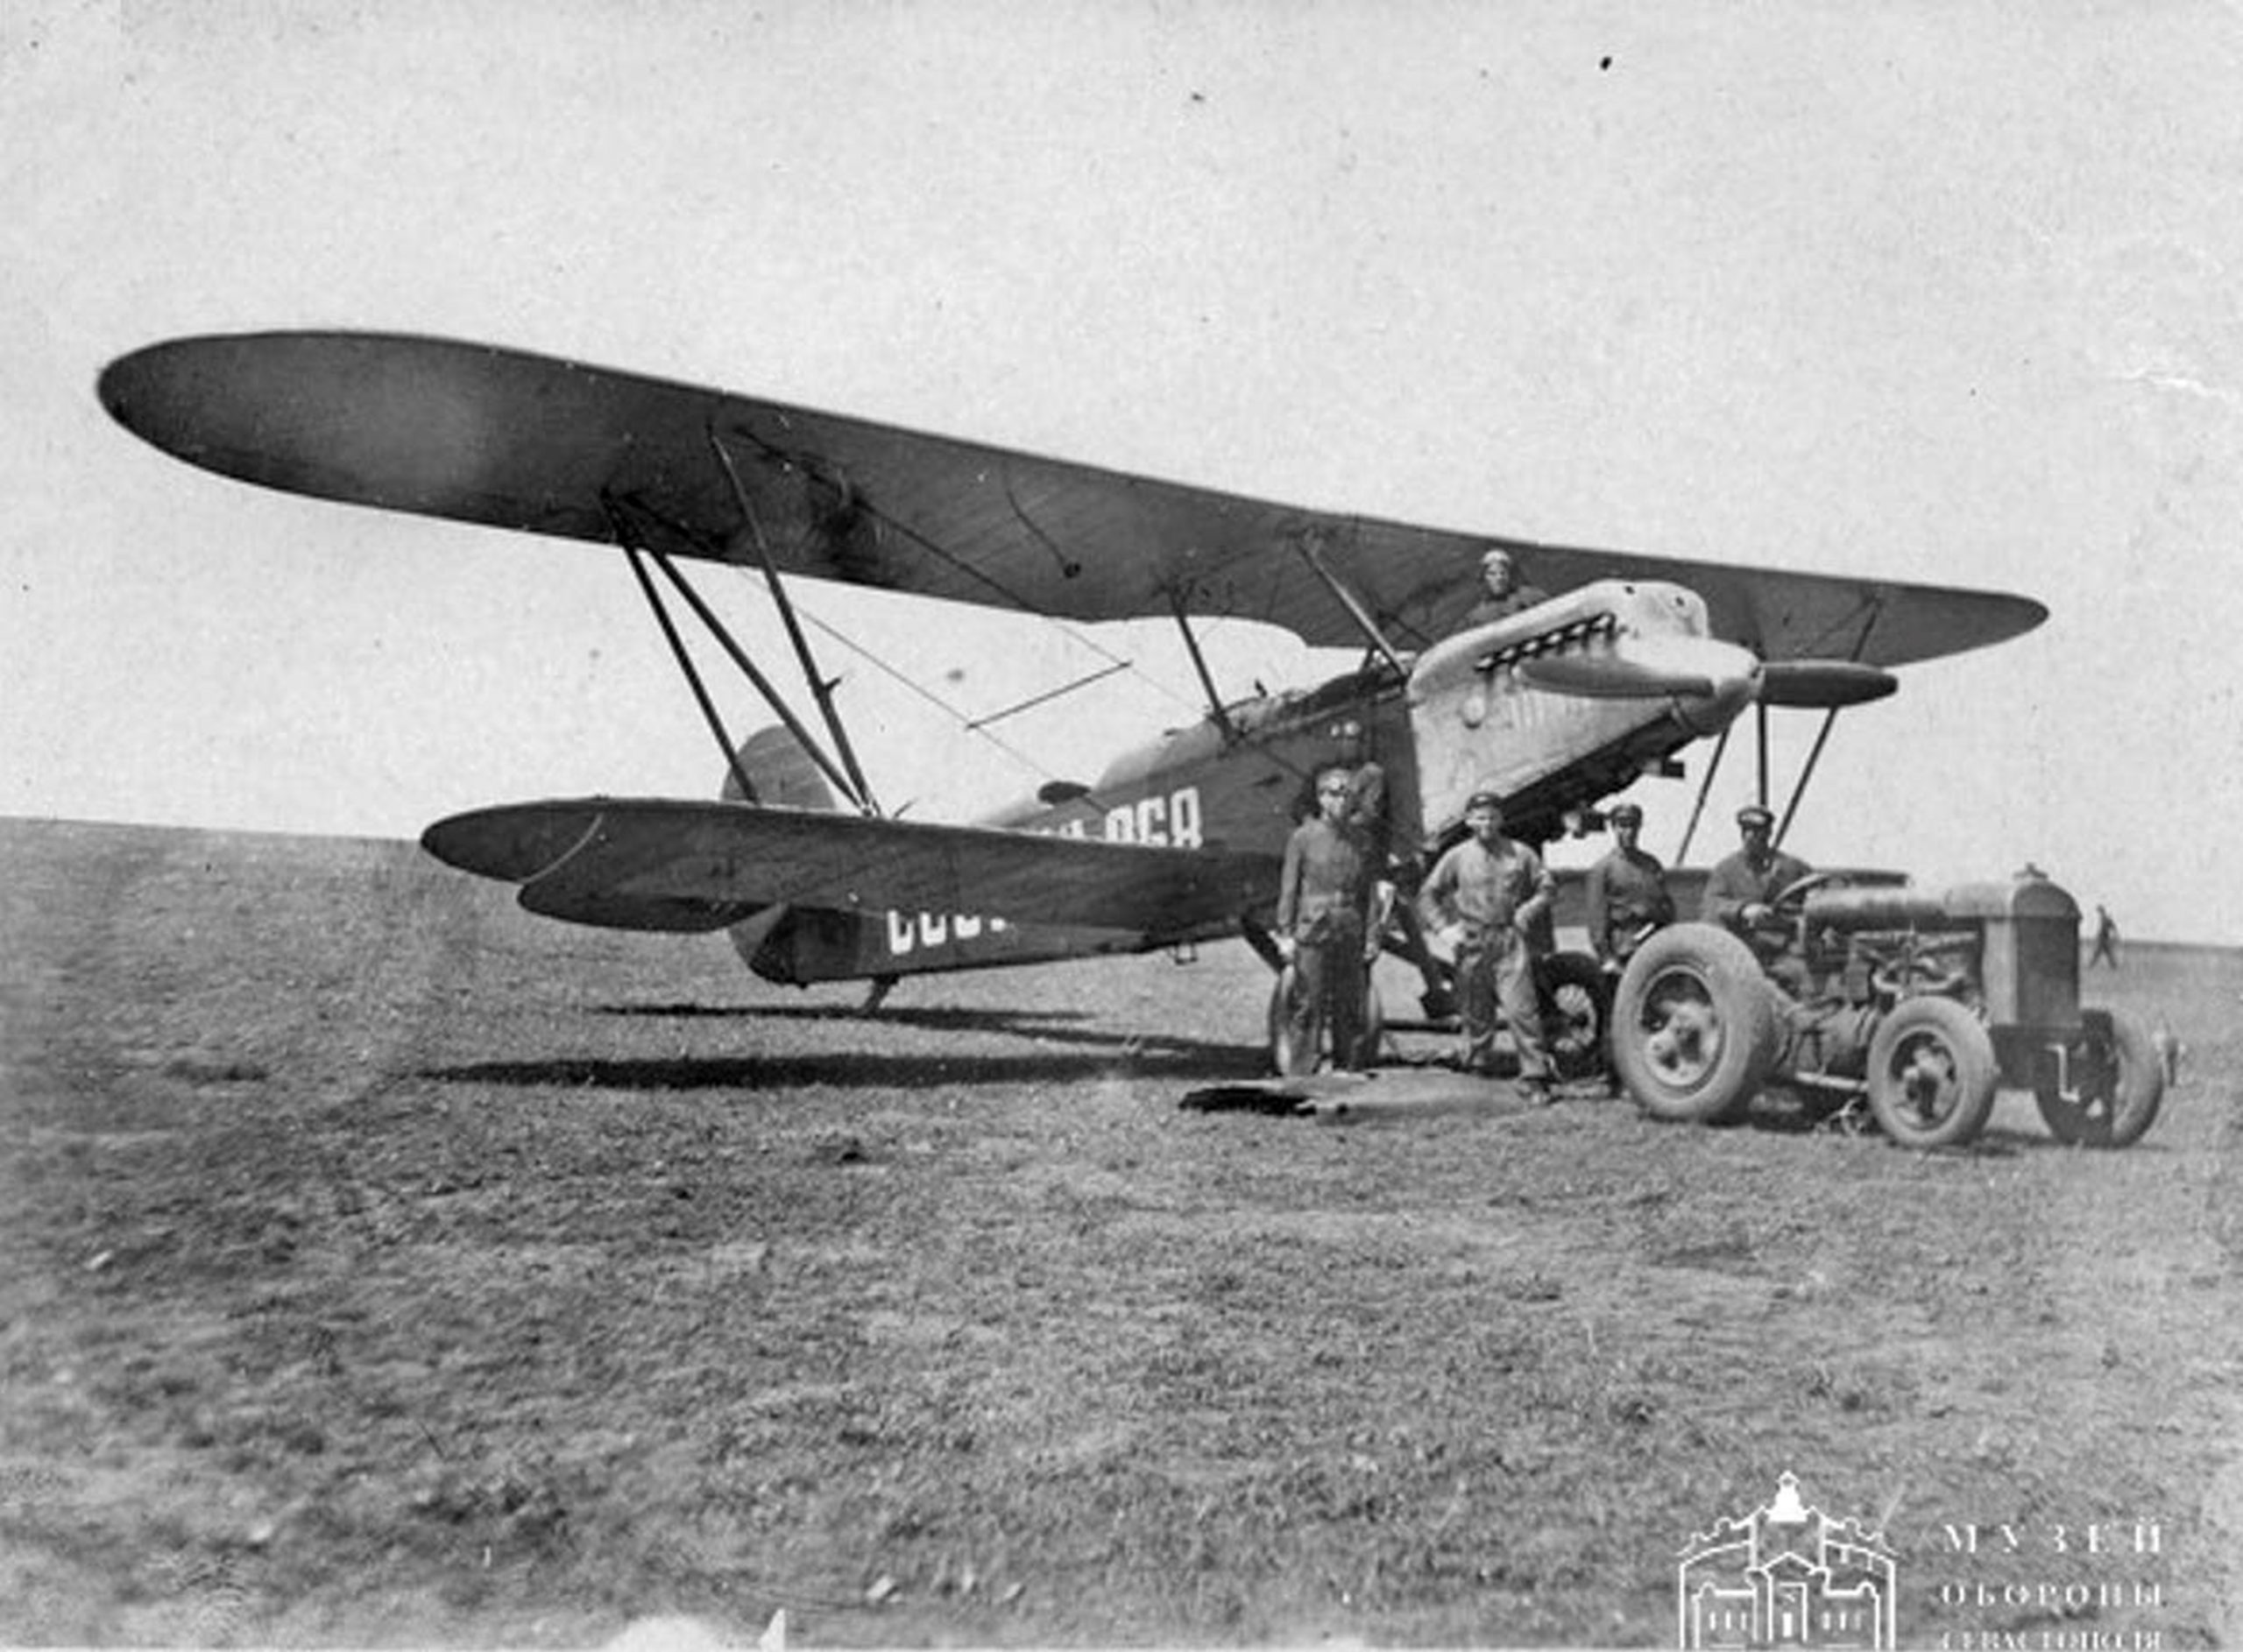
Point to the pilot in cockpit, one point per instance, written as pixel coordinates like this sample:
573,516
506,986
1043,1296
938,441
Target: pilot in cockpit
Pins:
1502,594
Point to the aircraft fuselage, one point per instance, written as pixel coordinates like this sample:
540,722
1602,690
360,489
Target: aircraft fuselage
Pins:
1467,714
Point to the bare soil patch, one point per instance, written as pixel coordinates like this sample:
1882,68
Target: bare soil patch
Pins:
385,1266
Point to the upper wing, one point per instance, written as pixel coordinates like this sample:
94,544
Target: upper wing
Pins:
655,864
531,442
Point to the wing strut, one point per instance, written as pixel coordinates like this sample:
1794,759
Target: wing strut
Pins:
1822,734
636,558
620,512
1306,545
821,688
1814,754
1760,744
1705,787
1215,712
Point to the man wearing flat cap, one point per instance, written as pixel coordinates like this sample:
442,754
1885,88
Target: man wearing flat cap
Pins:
1323,931
1741,890
1489,897
1628,902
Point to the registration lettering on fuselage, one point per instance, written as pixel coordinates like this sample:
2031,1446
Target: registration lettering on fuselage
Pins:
1172,820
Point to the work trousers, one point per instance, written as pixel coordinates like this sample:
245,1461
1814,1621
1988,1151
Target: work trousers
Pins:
1494,984
1330,982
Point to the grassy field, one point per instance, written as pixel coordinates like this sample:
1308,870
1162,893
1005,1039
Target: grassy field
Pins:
383,1265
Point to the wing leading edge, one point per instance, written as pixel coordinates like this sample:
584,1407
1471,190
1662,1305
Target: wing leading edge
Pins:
669,865
541,445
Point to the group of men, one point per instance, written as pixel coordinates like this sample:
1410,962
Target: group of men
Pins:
1489,898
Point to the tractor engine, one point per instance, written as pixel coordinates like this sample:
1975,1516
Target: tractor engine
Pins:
2007,952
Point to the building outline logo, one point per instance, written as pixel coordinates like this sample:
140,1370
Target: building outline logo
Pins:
1787,1574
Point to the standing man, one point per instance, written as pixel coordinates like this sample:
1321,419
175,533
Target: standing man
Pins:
1489,897
2107,939
1392,885
1365,813
1501,594
1323,926
1628,901
1740,891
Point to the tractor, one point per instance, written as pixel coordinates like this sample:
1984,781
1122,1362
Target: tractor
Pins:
1914,1002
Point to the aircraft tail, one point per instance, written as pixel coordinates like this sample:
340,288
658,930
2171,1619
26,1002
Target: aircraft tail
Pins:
783,775
781,771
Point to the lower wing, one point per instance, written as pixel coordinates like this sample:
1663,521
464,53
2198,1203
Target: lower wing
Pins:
682,866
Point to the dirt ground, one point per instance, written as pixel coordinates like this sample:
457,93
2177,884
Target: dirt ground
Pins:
383,1265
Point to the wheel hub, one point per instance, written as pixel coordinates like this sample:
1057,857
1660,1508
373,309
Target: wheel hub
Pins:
1928,1078
1686,1043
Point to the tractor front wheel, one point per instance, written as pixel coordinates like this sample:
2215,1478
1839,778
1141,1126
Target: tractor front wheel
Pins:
2116,1083
1931,1073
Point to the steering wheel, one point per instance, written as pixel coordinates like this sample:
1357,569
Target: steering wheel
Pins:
1788,905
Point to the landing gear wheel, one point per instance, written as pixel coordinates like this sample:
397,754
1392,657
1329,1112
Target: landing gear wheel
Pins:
2117,1084
1693,1026
1288,1058
1931,1073
1570,989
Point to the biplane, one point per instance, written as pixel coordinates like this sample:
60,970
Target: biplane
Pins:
1629,659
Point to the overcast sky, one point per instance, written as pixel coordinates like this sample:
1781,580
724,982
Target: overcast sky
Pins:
1925,292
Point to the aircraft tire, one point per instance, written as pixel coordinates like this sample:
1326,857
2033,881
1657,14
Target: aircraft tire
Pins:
2119,1085
1692,1026
1570,988
1932,1073
1286,1060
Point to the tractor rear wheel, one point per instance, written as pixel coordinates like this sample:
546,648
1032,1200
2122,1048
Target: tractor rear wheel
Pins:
2117,1084
1693,1026
1931,1073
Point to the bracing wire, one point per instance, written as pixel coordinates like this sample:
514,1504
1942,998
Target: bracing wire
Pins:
1116,662
954,713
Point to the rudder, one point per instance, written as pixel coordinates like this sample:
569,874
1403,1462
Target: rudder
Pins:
782,775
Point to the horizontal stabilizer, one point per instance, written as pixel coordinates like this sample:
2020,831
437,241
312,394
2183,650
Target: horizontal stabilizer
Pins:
676,864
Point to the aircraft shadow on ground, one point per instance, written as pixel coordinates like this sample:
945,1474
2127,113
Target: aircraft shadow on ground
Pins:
1183,1059
1035,1022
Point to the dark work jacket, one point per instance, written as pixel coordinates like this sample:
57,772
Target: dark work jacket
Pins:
1324,892
1487,610
1735,884
1626,893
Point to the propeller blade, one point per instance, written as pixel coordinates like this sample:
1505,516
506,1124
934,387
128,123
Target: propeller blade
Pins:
1824,685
